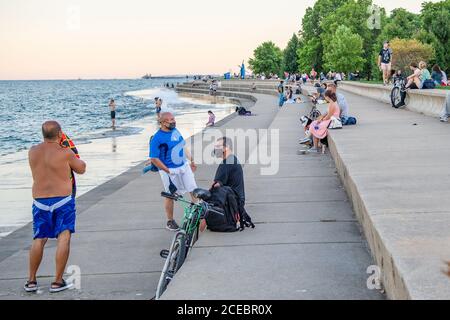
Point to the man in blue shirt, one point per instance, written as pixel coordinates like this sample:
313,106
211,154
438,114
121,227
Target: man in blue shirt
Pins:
168,152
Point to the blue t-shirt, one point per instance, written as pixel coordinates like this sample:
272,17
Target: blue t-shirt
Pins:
169,148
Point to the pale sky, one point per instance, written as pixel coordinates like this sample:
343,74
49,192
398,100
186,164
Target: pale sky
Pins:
70,39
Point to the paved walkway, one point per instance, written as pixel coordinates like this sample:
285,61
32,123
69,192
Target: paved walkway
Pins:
307,244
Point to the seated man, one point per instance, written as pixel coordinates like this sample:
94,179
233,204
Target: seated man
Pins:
230,174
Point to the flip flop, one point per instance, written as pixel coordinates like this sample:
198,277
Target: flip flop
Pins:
27,287
58,287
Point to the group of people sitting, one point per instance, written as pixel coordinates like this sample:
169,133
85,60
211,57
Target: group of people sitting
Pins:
421,78
337,115
289,93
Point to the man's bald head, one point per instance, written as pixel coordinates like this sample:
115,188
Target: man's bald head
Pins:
167,121
166,116
51,130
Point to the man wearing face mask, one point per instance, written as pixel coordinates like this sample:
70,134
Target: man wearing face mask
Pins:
168,152
229,173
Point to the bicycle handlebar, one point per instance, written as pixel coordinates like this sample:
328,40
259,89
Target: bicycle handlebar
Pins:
208,207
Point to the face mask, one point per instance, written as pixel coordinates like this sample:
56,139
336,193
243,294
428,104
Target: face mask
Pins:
172,126
218,153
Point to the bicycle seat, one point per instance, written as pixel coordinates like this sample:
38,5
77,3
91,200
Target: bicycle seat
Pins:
202,194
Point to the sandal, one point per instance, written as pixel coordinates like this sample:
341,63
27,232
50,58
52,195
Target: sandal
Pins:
30,286
60,286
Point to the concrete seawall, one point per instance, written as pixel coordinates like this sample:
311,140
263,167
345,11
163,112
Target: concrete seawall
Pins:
428,102
395,189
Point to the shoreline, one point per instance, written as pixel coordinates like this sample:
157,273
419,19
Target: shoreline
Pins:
19,238
122,151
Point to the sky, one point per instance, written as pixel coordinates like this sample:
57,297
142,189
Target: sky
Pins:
107,39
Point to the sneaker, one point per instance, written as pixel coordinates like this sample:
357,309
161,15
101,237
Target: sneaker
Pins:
305,140
312,150
172,225
444,119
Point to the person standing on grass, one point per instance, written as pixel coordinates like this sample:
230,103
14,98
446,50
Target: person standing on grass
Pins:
169,154
54,211
385,62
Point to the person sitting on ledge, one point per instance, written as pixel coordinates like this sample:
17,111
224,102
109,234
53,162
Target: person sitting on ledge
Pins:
413,81
319,128
211,120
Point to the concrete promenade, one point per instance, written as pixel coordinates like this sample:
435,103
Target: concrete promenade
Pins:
307,243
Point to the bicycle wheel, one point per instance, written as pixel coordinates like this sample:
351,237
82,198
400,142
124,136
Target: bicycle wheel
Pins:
396,97
174,261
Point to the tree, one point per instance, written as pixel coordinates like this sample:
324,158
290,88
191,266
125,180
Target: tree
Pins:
312,29
344,51
267,59
290,63
409,50
308,54
354,14
436,30
401,24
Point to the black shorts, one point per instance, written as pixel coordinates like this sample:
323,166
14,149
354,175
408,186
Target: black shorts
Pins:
413,86
113,114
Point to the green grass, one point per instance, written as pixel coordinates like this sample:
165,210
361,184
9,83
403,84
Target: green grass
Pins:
381,82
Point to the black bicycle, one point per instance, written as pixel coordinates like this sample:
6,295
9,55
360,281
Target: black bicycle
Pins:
399,94
184,239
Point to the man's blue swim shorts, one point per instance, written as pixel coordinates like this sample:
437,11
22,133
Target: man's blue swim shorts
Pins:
52,216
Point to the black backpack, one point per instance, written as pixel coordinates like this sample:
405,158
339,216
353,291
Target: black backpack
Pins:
226,201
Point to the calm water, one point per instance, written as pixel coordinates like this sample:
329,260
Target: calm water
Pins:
81,107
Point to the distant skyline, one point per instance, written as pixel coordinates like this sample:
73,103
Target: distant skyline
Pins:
100,39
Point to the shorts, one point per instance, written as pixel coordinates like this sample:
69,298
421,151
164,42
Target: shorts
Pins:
181,178
158,110
386,66
113,114
52,216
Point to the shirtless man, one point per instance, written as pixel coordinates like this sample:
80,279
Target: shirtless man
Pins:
53,206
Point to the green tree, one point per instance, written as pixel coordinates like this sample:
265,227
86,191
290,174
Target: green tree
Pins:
308,54
312,29
355,15
290,63
435,19
344,51
401,24
267,58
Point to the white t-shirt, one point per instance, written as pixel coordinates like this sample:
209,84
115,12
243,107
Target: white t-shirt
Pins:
338,77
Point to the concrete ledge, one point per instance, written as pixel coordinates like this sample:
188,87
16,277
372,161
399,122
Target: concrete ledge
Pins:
428,102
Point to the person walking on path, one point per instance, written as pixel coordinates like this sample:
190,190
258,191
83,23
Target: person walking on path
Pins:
53,208
385,62
169,154
446,110
112,108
